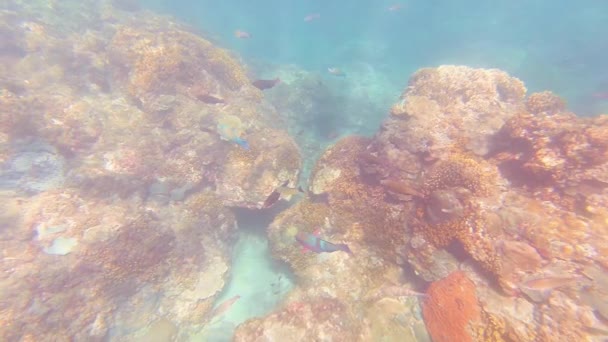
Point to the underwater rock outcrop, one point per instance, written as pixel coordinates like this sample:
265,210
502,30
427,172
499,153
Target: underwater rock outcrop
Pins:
115,179
467,174
502,183
346,289
129,103
83,268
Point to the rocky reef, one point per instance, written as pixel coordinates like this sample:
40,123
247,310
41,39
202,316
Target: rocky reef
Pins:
125,140
87,268
490,201
140,104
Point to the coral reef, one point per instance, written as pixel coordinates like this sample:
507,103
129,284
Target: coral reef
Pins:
124,139
514,184
114,178
343,208
475,188
304,320
558,151
123,102
319,108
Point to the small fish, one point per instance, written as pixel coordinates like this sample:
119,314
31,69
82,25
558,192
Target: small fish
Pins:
242,34
336,72
401,187
550,282
266,84
223,307
311,17
545,285
210,99
395,7
313,242
601,95
281,192
399,291
241,142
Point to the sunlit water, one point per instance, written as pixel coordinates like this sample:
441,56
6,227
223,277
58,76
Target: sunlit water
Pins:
557,45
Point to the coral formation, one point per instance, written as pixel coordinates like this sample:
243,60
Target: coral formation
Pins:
559,151
462,176
119,159
114,178
451,310
123,253
303,320
346,209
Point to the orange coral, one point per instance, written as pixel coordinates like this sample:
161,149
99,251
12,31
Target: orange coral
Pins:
451,309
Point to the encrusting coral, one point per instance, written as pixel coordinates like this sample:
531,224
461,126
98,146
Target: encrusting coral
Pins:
451,311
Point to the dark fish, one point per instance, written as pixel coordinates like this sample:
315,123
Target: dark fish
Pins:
266,84
210,99
282,191
273,197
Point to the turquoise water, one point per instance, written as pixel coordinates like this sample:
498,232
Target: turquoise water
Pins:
555,45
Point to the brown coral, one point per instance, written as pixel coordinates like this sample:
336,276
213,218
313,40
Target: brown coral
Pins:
160,61
451,309
355,201
308,319
545,102
447,211
544,153
451,210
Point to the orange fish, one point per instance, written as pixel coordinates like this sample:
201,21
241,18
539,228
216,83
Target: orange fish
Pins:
312,17
242,34
224,306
